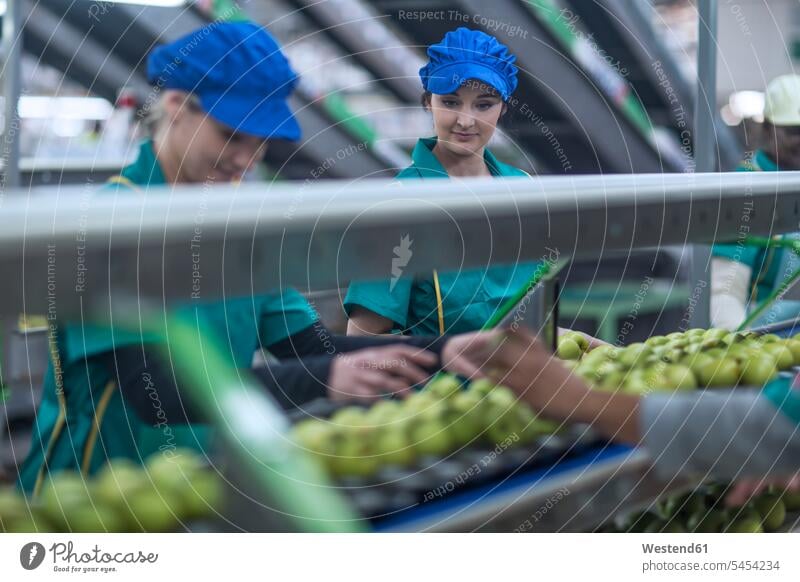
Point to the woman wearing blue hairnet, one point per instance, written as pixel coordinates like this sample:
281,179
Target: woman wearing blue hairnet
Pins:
468,81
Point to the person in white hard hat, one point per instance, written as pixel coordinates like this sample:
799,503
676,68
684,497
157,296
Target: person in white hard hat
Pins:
743,276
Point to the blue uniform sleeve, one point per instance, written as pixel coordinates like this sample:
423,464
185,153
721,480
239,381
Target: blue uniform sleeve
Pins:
388,298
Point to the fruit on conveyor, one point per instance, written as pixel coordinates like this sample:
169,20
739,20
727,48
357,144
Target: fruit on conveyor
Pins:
703,511
443,417
688,360
122,497
771,509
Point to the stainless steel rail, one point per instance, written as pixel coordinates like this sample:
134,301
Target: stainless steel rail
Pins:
72,249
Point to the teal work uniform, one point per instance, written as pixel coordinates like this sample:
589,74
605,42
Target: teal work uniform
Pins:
82,419
769,266
468,297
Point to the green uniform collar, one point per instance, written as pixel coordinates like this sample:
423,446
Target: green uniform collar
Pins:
427,165
145,170
761,162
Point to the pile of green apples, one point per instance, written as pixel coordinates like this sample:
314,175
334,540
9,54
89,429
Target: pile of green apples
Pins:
440,419
703,511
698,358
160,496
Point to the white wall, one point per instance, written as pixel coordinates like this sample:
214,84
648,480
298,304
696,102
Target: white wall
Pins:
754,43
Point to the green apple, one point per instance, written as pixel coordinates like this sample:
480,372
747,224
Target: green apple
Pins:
695,332
633,355
419,402
706,521
604,352
23,524
655,380
636,382
354,457
155,511
383,412
482,386
673,355
430,435
711,343
444,386
596,373
675,335
612,382
794,347
656,340
641,521
758,370
12,505
203,496
569,349
715,333
95,519
116,481
315,437
747,522
783,355
502,420
772,511
578,338
679,377
791,500
502,396
685,504
469,408
168,472
678,344
769,338
393,447
697,360
536,427
741,351
715,373
350,416
64,494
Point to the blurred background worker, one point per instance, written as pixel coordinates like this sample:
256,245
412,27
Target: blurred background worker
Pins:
743,275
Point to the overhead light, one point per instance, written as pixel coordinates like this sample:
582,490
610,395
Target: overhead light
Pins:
158,3
77,108
3,6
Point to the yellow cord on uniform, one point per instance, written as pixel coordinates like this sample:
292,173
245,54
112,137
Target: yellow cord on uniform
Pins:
439,307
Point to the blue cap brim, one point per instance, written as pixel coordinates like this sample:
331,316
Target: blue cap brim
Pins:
265,118
449,78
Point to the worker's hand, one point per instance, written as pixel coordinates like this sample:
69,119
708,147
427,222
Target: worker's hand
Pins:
371,373
518,360
463,354
741,492
593,341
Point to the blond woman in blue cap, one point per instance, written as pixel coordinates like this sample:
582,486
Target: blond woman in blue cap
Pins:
224,96
467,82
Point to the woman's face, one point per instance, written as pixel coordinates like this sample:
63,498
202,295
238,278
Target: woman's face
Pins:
465,121
205,150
